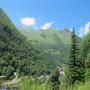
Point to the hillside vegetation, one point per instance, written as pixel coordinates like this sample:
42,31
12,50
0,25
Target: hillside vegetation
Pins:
55,43
43,60
17,54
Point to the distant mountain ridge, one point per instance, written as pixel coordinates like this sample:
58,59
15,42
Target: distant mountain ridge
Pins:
55,42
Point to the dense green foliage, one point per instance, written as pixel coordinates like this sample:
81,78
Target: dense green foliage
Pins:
54,42
76,68
86,55
19,55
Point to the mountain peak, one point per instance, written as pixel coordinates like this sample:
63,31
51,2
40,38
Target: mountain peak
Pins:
66,30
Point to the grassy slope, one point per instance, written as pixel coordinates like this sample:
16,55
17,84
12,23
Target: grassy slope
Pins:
32,85
49,36
86,86
54,42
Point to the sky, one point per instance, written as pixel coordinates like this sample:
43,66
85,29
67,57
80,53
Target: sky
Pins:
46,14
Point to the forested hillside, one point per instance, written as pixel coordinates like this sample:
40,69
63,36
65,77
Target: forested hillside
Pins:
17,54
54,42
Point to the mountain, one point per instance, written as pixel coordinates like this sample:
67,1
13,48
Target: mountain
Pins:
17,54
33,53
14,48
54,42
51,37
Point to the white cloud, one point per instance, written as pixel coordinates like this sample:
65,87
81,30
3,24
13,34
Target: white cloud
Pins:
28,21
87,28
84,30
47,26
71,29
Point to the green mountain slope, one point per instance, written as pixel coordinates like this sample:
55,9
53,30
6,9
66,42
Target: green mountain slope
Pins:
17,54
51,37
55,43
14,49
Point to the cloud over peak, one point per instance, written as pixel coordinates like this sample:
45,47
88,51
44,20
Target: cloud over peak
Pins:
28,21
47,26
84,30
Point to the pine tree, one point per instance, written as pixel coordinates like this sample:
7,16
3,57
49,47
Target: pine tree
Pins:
75,66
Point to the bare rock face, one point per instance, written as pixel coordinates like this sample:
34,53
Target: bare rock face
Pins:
61,71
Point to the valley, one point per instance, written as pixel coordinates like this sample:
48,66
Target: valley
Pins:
42,60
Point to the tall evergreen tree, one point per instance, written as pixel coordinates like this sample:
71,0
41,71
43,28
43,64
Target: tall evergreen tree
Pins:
76,70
